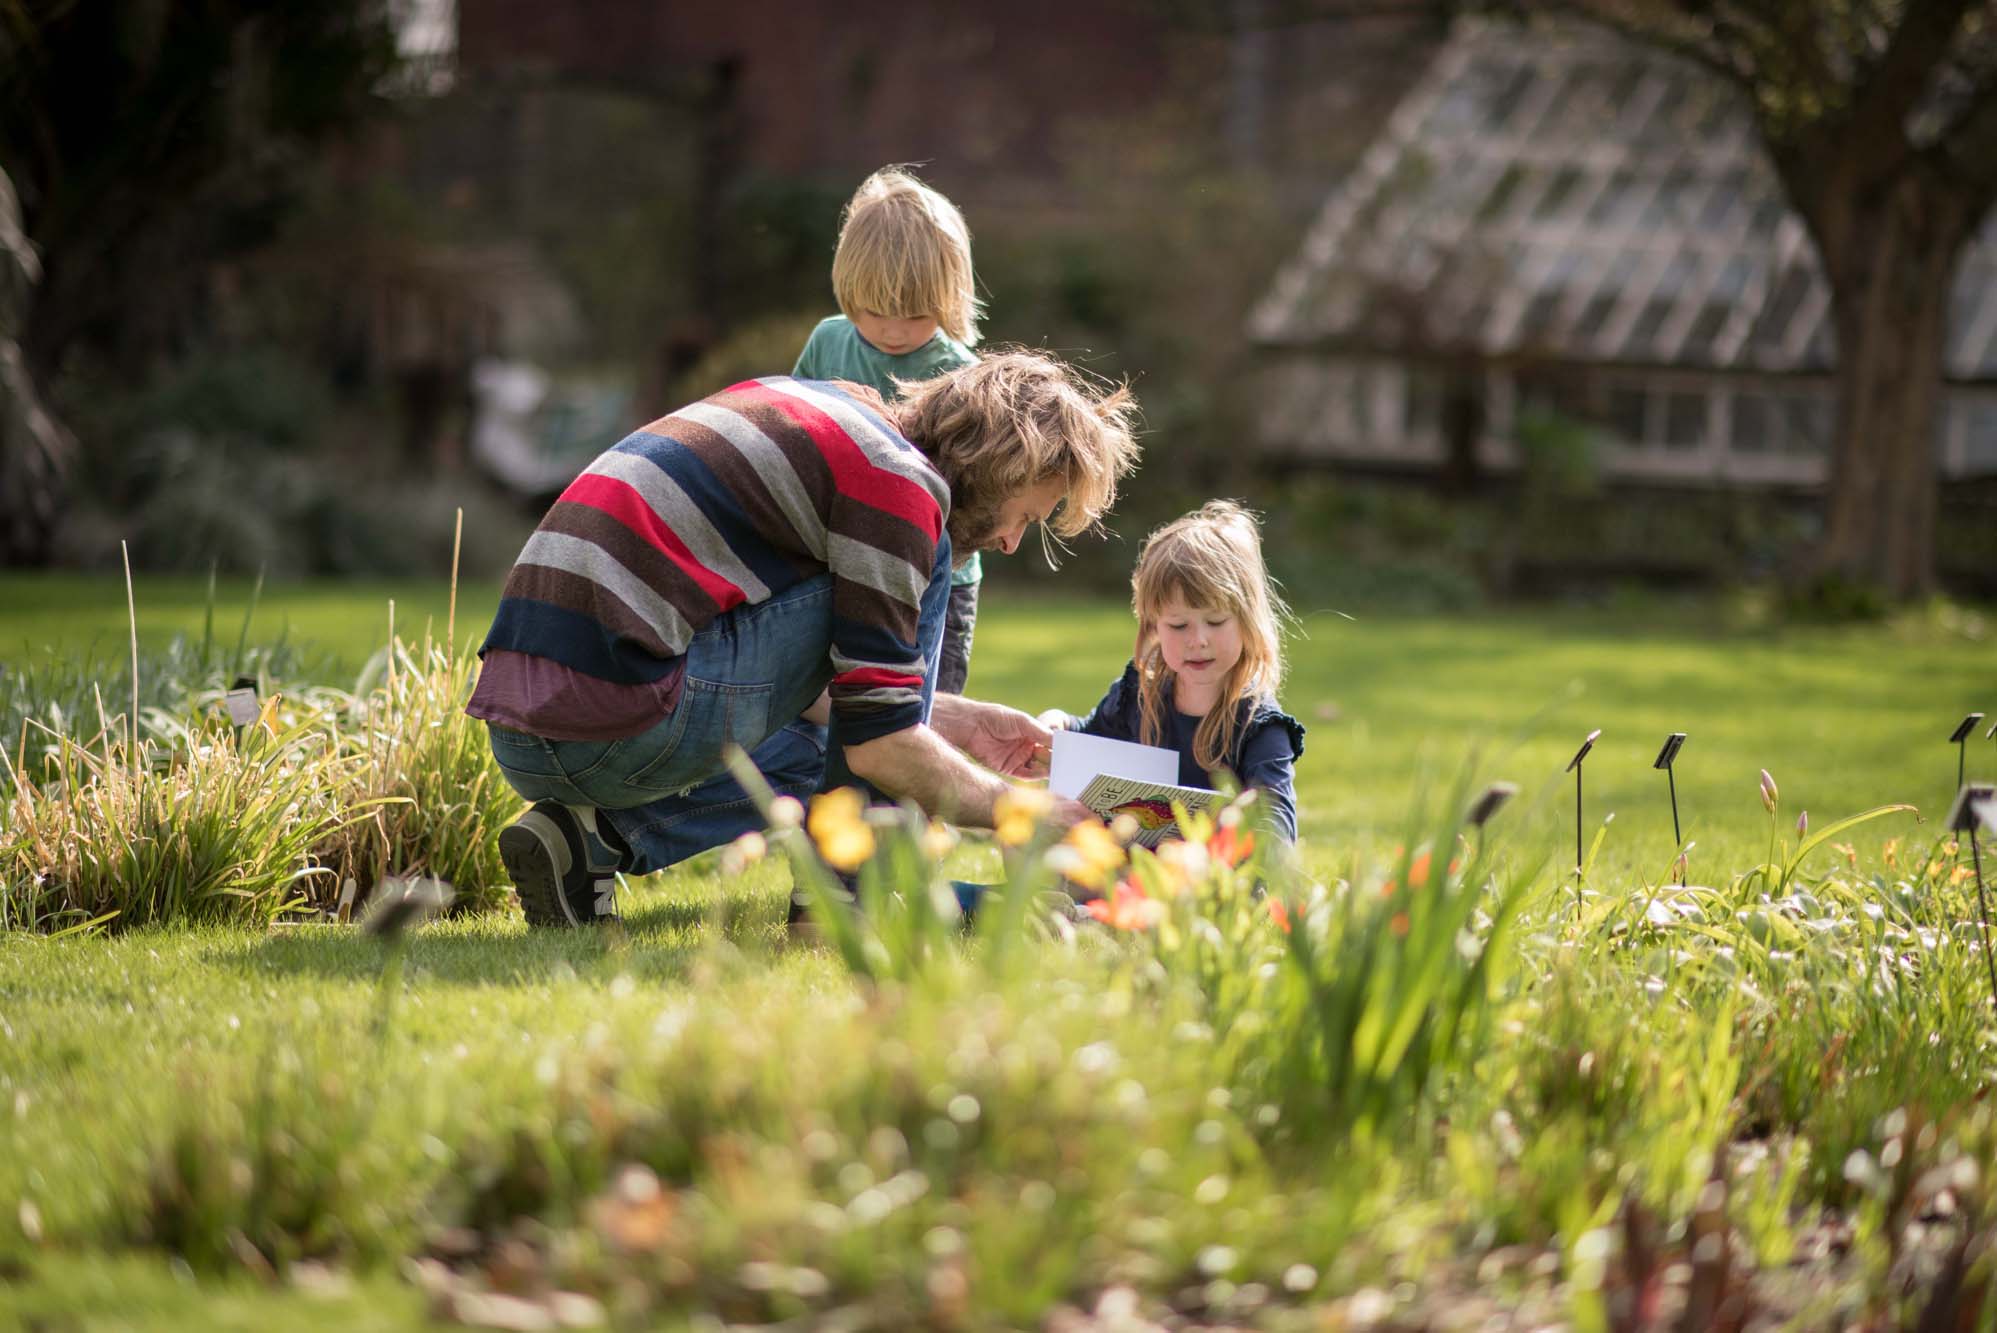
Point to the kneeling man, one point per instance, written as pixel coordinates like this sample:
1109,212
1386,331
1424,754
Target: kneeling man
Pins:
702,583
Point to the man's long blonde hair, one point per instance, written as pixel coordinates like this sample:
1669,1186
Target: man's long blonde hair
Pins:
1211,560
905,253
1016,418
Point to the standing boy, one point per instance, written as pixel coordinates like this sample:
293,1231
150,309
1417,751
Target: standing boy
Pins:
902,274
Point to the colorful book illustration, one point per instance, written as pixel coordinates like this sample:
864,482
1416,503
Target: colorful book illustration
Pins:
1118,778
1149,803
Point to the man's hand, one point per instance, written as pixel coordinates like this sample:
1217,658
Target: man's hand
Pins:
1007,741
1068,812
1003,739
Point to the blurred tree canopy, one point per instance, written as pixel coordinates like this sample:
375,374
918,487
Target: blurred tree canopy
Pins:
145,138
145,135
1880,116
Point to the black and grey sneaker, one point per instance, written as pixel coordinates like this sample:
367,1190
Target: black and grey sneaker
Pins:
563,866
799,924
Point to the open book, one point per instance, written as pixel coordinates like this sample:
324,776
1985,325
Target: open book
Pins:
1118,778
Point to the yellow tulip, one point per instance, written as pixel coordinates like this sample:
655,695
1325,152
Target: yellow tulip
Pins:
1017,811
1097,852
848,848
838,825
938,840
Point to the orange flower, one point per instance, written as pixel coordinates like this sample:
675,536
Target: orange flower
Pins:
1128,907
1280,914
1399,923
1230,846
1417,874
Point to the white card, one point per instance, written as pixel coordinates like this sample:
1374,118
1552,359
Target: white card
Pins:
1078,758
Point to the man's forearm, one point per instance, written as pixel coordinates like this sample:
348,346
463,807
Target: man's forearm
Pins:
921,764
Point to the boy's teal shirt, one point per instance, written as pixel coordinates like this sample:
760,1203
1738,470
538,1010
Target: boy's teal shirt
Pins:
836,351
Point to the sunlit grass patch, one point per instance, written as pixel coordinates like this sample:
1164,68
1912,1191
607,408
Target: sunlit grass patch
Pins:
1417,1073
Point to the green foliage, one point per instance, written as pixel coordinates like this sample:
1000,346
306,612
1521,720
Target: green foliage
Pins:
1451,1075
1557,455
51,696
241,459
765,347
424,769
192,820
131,204
110,833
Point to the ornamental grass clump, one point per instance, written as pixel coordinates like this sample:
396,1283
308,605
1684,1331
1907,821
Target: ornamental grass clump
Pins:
424,771
209,831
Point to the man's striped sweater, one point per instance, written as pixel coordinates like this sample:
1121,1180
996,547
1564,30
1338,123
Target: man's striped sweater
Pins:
724,503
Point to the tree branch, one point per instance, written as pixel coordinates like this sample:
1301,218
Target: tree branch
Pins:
1968,146
1885,93
1666,27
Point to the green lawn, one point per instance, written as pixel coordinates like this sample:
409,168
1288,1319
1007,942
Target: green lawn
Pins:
187,1083
1846,718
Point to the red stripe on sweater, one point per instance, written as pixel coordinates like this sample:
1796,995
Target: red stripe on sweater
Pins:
619,500
853,472
873,676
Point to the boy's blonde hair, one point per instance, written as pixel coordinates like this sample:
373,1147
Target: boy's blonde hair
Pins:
1211,560
905,253
1002,425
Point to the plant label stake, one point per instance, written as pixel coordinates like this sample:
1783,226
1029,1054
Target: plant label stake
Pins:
1960,740
1574,767
1976,804
1491,800
241,701
1665,756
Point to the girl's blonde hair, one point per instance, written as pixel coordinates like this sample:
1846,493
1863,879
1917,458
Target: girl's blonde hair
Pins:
905,253
1210,560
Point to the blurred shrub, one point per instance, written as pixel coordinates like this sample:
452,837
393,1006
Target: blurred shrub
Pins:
768,346
240,459
1557,455
257,397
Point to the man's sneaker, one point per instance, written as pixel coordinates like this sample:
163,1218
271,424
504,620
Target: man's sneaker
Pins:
563,867
801,927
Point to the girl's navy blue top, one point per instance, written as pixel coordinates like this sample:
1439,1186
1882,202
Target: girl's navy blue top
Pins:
1267,744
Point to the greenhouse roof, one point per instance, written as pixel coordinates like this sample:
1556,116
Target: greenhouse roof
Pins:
1562,193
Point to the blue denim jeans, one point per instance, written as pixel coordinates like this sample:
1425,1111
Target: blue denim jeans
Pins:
748,677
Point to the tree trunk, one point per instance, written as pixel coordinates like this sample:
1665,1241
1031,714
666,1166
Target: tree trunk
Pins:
35,451
1890,254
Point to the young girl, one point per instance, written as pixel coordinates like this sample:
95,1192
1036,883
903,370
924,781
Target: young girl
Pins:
1209,661
902,275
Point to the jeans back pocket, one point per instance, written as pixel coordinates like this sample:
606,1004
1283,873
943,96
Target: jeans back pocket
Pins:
712,716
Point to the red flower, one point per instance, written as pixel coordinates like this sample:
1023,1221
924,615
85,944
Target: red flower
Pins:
1230,846
1127,907
1280,914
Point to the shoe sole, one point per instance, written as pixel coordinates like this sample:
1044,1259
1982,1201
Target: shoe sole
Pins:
530,862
